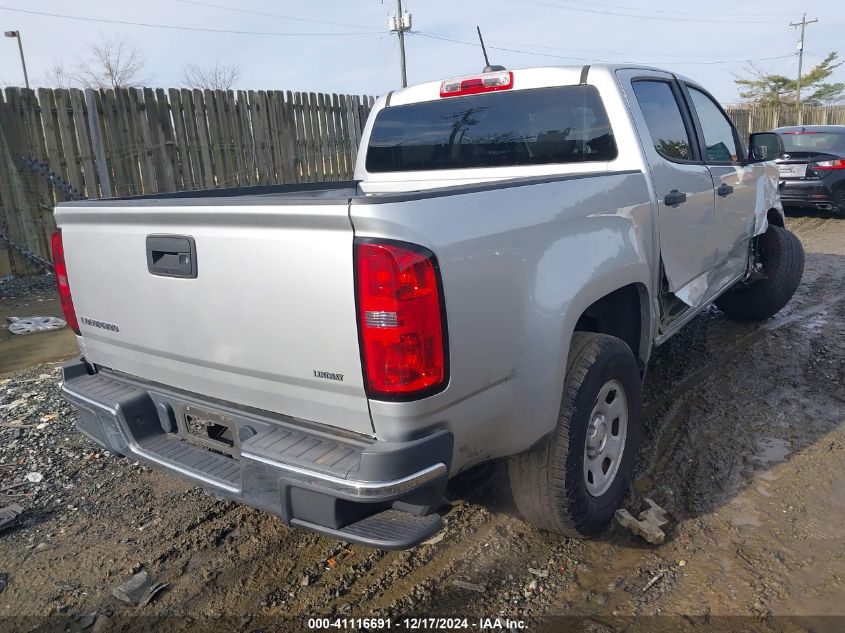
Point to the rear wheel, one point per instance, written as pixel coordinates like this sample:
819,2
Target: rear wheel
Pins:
781,258
573,482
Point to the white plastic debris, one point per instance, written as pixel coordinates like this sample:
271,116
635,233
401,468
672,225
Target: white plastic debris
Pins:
649,524
469,586
33,324
35,478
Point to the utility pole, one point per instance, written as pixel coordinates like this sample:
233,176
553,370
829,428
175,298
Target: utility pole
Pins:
803,24
399,24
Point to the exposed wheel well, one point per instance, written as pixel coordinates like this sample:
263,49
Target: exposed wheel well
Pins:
774,217
618,314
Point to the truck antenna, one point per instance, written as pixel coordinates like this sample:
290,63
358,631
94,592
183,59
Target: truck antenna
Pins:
483,48
487,67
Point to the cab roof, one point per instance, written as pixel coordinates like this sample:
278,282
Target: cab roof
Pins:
524,78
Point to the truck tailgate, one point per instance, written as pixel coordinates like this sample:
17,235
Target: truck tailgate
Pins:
268,321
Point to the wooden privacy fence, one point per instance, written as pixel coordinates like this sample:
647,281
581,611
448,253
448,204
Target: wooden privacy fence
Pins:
135,141
748,120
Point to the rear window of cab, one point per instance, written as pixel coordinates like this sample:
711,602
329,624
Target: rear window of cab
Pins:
541,126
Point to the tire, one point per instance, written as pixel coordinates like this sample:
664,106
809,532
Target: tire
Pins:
549,482
782,258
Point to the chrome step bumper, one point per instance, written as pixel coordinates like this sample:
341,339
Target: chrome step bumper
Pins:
314,477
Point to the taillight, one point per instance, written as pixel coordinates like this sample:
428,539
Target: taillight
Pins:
488,82
60,269
401,320
828,165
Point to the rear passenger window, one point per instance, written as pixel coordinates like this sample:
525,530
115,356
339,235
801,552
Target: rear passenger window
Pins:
566,124
663,118
718,131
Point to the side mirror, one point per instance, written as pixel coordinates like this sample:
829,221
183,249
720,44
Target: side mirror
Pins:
764,146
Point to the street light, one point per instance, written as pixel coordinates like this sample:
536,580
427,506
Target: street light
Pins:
17,35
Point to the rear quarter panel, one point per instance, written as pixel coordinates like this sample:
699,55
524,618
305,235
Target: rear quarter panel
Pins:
519,266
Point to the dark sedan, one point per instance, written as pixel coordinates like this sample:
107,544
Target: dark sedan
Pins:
812,167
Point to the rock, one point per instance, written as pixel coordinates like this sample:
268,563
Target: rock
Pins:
87,619
103,624
43,547
35,478
305,581
648,525
542,573
469,586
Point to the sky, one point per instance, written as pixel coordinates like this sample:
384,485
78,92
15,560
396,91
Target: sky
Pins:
344,45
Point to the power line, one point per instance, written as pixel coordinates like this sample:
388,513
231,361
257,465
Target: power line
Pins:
174,26
271,15
598,52
386,59
641,17
685,14
582,59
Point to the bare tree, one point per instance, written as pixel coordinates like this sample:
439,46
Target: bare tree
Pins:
57,76
215,76
113,62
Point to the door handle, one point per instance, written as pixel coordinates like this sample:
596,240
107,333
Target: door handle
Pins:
172,256
724,190
674,198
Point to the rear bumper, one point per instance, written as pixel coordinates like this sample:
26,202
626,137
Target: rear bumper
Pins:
381,494
810,193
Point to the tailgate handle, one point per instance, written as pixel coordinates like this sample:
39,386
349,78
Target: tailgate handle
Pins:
172,256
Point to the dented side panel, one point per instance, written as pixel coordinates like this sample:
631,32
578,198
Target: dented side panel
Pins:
768,197
739,217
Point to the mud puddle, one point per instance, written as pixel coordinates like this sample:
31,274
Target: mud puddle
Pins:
22,351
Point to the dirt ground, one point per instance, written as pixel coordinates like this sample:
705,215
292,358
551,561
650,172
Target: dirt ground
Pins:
744,446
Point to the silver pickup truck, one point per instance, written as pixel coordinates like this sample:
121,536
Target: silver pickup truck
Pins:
490,285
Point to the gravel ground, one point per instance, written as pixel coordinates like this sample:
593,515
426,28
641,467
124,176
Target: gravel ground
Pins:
26,286
744,443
